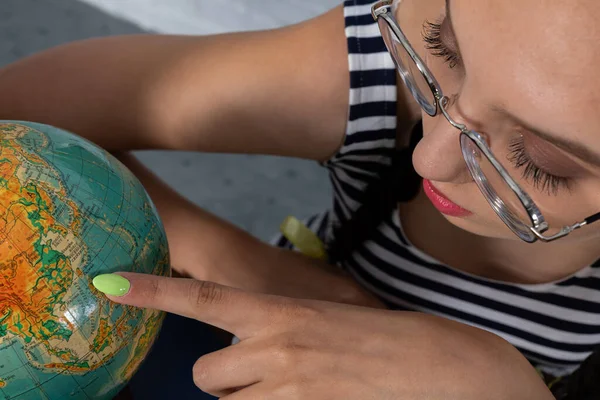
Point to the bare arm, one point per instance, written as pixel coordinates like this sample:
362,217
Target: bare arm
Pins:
282,91
205,247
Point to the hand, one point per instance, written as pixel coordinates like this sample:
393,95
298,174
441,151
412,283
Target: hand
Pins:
304,349
276,271
209,248
290,274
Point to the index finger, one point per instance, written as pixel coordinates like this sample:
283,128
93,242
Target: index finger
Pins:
236,311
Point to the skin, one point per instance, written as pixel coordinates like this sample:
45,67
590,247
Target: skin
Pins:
554,46
255,100
291,349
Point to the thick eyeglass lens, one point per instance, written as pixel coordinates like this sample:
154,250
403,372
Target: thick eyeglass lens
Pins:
496,191
408,70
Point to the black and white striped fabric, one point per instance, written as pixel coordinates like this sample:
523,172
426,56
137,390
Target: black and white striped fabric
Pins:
554,325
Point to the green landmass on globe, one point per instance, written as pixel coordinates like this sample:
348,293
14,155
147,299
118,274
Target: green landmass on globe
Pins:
68,212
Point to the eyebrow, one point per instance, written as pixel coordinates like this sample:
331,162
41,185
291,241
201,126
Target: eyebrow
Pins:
575,148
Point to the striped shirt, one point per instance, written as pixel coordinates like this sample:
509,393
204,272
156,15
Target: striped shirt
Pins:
555,325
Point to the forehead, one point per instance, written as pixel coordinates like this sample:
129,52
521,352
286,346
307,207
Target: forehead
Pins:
533,57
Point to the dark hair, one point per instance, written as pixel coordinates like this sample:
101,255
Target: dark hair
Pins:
399,182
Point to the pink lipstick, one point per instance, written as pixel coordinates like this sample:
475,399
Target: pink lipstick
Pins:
442,203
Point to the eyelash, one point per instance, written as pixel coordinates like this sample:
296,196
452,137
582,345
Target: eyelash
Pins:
432,36
542,180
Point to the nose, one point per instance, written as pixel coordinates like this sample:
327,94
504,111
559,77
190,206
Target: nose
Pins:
438,156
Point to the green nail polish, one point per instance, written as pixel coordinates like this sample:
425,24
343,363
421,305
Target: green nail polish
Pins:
112,284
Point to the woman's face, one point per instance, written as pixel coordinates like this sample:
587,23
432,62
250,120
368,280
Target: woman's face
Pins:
524,74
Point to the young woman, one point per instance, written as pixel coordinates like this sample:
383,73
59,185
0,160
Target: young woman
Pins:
494,101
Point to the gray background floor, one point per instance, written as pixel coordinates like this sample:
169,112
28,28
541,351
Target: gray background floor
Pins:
253,192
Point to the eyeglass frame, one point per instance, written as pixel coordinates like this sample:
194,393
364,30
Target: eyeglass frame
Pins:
383,9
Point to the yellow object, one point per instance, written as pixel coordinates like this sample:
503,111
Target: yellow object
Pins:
303,238
551,383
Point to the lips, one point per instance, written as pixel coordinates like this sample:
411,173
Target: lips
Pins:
442,203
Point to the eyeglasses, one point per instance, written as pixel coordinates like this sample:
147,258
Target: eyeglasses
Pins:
511,203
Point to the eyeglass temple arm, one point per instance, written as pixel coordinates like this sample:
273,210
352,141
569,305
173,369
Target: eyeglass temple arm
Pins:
592,218
566,230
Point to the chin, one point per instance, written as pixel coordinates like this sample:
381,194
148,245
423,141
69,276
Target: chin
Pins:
486,228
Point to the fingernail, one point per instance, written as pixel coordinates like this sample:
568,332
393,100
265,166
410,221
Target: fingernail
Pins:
112,284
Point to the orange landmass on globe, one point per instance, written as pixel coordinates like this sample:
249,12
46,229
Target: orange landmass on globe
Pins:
33,276
103,338
68,367
151,327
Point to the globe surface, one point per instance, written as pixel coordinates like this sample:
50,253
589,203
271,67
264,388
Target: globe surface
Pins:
68,212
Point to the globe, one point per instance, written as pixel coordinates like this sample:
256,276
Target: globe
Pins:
68,212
